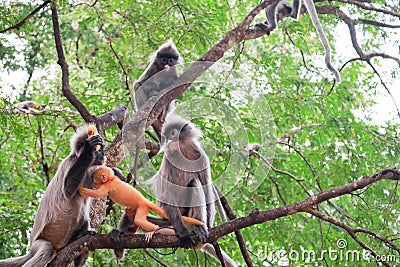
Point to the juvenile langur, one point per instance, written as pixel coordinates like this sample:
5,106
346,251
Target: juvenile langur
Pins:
162,63
106,183
271,24
63,213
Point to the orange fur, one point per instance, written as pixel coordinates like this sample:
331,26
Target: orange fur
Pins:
137,206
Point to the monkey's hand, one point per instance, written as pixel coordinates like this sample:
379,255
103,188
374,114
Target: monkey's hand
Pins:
91,143
148,236
201,233
265,27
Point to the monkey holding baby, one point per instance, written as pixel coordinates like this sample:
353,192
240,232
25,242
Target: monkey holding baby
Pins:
63,213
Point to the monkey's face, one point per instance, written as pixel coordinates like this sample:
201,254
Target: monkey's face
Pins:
173,135
99,157
181,147
165,61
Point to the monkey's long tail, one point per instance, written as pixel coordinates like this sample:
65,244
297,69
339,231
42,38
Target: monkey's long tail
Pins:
322,37
209,249
39,254
163,214
15,262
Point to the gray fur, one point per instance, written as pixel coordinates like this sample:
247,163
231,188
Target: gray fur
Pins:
184,182
155,77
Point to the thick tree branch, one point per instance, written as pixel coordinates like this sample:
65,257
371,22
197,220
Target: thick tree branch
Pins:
22,22
101,241
148,113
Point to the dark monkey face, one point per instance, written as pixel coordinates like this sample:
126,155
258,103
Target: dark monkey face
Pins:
166,60
99,157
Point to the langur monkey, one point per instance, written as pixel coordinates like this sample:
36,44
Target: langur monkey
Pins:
137,206
271,24
183,184
63,213
162,63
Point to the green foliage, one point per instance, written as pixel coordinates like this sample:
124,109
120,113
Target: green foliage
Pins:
106,44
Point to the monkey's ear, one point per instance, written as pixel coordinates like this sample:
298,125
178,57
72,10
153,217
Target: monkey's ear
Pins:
104,177
186,127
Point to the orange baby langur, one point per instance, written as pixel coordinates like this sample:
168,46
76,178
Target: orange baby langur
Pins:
125,195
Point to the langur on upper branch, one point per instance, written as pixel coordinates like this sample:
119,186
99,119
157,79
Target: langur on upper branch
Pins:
162,63
271,24
63,214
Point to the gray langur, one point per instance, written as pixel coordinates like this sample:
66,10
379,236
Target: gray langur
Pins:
63,214
271,24
161,66
183,184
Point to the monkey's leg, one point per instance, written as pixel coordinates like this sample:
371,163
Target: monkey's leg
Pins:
270,22
142,222
126,224
175,218
42,252
295,9
199,212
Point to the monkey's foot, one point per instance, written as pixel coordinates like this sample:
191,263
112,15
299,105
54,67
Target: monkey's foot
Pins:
115,235
148,236
265,27
201,233
90,232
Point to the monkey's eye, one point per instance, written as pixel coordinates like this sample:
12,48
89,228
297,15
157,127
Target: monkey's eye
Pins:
171,61
164,60
173,134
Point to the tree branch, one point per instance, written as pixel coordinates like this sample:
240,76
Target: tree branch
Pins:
86,115
353,231
148,113
101,241
22,22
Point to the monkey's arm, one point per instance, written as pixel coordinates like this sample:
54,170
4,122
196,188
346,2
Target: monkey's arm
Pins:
97,193
271,11
76,173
